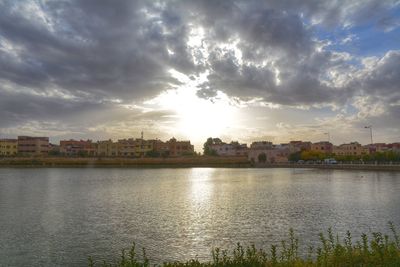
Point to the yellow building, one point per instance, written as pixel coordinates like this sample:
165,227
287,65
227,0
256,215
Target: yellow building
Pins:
126,147
352,149
107,148
8,147
143,146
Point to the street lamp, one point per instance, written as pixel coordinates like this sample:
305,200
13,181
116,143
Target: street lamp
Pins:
370,129
329,136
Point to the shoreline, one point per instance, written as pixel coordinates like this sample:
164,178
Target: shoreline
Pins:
182,162
345,166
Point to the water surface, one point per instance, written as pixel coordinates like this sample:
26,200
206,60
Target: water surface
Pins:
58,217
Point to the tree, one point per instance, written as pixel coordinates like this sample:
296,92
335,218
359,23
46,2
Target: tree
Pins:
152,154
207,146
262,157
312,155
82,153
165,154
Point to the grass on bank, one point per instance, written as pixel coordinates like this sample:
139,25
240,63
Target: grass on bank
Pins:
375,250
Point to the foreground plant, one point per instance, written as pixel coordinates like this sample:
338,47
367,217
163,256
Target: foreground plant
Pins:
376,250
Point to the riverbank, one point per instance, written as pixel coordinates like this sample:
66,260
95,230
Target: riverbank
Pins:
182,162
344,166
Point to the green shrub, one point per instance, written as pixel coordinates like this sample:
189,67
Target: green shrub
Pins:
377,250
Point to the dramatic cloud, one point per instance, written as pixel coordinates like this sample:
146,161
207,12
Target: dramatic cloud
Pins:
65,62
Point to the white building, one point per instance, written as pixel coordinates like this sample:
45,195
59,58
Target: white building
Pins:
232,149
274,154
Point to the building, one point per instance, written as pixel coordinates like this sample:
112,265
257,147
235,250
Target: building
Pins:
8,147
380,147
178,148
75,147
33,146
351,149
107,148
395,147
275,154
324,147
160,147
134,147
231,149
142,147
296,146
127,147
261,145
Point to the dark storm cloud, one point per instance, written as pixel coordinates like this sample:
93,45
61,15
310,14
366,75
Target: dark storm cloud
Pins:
383,77
275,31
101,47
19,108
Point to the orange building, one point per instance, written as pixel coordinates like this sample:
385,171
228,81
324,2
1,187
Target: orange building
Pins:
324,147
179,148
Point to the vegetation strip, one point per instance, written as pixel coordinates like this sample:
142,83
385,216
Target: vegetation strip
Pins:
376,250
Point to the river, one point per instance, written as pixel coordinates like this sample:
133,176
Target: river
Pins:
60,216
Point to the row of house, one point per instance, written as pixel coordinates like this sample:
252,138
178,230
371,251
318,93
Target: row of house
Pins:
24,145
275,153
354,148
139,147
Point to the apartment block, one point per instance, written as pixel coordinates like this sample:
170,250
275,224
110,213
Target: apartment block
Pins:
261,145
107,148
33,146
143,146
296,146
395,147
8,147
77,147
275,154
231,149
324,147
161,147
179,148
127,147
379,147
351,149
134,147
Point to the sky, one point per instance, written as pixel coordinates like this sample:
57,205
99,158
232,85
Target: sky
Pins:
239,70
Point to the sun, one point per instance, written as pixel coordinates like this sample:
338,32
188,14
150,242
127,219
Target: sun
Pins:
197,118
